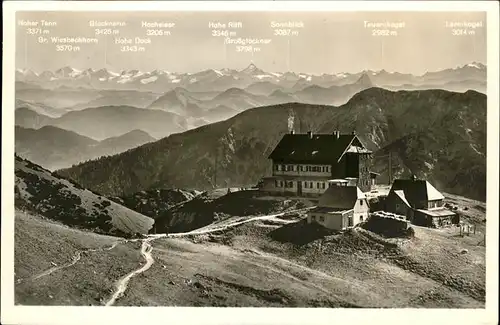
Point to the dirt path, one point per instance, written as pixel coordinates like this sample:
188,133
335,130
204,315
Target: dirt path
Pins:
146,247
75,259
223,226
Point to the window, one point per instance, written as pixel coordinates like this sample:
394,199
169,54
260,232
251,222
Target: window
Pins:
276,184
317,185
300,168
277,167
313,218
311,185
361,202
397,206
305,184
290,184
360,218
322,185
322,218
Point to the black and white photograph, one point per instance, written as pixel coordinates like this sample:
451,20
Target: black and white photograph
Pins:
319,159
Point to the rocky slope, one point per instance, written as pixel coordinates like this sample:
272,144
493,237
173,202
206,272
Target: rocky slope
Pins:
44,193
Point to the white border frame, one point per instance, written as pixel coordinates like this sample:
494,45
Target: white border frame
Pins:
12,314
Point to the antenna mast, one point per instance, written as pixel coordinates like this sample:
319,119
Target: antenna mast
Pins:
215,168
390,167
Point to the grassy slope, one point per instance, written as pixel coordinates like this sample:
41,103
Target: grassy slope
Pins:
39,243
270,263
252,270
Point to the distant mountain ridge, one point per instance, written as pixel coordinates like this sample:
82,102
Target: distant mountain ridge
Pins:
434,134
100,123
220,80
80,100
55,148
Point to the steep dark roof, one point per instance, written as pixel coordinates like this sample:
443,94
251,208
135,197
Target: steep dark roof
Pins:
416,192
341,197
320,148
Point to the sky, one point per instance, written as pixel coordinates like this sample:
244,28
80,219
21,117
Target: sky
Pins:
322,42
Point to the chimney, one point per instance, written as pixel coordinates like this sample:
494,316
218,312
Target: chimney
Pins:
292,132
336,134
309,134
413,177
354,132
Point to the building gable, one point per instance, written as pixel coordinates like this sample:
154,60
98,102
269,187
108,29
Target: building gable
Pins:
417,193
341,197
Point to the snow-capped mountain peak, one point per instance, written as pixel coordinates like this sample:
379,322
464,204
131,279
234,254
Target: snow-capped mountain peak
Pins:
476,65
224,78
252,68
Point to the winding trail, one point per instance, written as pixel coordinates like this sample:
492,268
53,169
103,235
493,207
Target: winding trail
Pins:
147,248
76,258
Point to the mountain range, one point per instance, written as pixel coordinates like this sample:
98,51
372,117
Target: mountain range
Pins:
223,79
100,123
214,95
56,148
98,110
435,134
